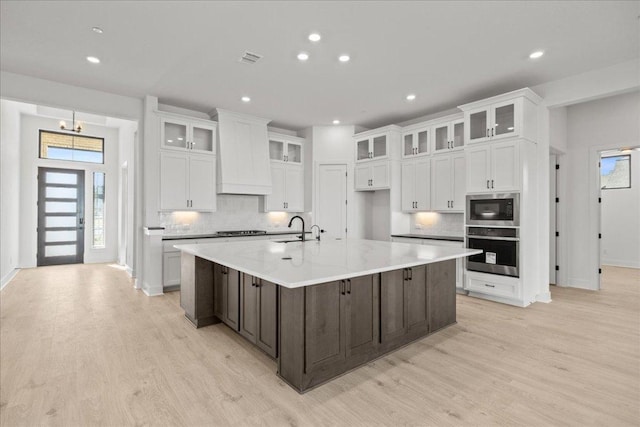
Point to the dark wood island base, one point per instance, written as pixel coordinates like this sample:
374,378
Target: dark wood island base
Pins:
321,331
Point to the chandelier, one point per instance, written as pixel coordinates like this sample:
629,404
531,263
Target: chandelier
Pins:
74,127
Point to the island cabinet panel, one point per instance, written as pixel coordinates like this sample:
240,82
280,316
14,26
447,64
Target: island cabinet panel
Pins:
196,290
259,313
403,305
441,295
363,312
324,325
226,295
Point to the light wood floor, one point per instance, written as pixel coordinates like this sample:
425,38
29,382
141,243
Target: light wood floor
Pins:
81,347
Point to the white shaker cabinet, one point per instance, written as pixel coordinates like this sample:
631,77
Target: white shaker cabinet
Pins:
448,183
183,133
371,147
187,181
288,188
416,192
513,114
448,136
416,141
372,176
285,148
493,167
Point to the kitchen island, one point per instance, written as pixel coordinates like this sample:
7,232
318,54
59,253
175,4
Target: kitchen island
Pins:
321,308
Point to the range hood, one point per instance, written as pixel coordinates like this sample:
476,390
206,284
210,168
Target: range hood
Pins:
243,154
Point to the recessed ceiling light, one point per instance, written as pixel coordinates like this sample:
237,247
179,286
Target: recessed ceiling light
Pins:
537,54
336,122
344,58
97,30
93,59
303,56
314,37
245,99
411,97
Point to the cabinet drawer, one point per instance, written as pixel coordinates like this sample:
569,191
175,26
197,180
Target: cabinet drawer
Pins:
498,286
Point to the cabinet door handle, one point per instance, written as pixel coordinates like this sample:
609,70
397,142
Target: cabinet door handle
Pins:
491,183
489,286
342,286
487,132
452,204
349,288
410,273
492,130
488,184
405,274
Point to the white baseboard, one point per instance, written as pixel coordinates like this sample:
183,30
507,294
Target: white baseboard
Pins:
136,284
6,279
544,297
151,291
578,283
627,263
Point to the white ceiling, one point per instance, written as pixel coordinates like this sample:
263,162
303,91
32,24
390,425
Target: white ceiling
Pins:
186,53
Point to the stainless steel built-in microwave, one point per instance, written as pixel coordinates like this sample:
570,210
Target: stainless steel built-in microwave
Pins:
493,209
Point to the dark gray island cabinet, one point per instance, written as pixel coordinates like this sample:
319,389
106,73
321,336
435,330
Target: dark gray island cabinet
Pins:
318,331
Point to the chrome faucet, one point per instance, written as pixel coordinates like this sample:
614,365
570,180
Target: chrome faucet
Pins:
319,231
301,219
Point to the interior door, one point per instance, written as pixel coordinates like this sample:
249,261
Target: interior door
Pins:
332,200
60,216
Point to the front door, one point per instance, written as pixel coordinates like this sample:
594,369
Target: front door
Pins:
60,216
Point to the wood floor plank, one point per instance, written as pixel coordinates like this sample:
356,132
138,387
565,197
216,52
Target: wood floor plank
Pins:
80,346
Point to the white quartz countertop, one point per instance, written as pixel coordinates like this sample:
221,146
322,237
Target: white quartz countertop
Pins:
297,264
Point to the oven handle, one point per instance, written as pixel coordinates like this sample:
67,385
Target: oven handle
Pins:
508,239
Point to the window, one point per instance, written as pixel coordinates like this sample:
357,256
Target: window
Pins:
76,148
98,210
615,172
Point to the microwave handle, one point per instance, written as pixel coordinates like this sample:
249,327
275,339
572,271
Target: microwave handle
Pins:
508,239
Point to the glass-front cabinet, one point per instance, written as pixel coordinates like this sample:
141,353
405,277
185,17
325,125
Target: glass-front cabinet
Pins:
372,147
184,134
285,148
448,136
415,142
494,121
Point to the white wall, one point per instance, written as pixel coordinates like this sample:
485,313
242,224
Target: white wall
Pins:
10,186
558,129
29,163
620,243
607,123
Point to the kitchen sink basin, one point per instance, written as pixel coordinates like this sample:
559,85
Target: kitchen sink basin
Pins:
289,241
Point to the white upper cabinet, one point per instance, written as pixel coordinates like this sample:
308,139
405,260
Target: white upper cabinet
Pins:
416,141
373,176
187,181
288,188
243,154
372,147
448,136
285,148
513,114
416,191
493,167
448,183
184,133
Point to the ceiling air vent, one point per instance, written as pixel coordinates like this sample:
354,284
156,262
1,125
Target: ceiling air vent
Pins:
250,57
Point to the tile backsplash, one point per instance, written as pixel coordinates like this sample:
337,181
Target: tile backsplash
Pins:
235,212
438,224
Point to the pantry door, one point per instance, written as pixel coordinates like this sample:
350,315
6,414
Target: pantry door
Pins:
60,216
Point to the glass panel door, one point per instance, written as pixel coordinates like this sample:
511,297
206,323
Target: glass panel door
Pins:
380,146
458,134
202,139
423,141
294,153
478,125
442,137
408,144
363,149
504,119
60,216
276,150
175,135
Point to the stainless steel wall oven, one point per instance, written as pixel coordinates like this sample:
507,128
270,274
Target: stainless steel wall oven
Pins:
501,250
